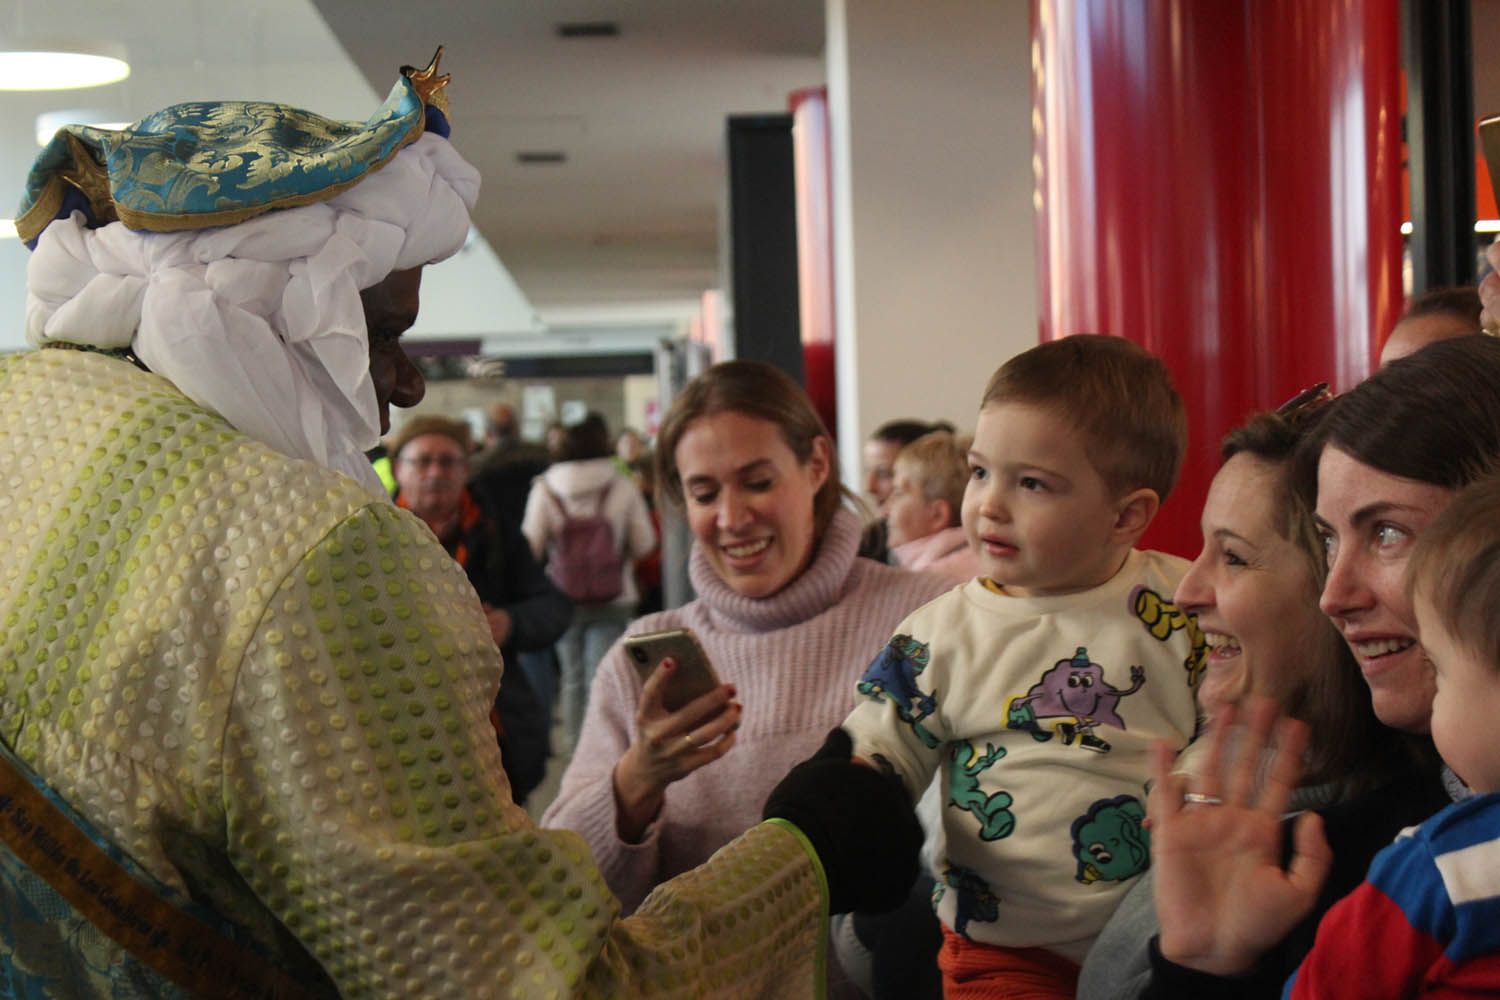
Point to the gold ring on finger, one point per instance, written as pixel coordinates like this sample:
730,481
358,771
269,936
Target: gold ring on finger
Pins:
688,739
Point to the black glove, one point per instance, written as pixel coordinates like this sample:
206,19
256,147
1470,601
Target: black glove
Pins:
858,819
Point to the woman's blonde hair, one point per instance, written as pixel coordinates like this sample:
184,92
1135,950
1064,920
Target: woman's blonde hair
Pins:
938,464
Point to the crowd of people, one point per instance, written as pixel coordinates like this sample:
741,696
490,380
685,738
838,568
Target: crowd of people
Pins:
270,714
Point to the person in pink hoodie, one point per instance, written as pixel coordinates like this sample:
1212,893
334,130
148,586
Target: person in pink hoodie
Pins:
922,510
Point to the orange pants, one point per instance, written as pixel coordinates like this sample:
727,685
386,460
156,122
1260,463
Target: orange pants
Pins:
973,971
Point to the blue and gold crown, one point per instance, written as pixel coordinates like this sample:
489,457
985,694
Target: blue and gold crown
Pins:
218,163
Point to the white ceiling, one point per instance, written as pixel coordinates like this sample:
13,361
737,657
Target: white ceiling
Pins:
628,225
632,216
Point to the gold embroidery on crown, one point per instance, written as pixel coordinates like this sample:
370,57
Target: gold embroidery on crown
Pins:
428,85
89,176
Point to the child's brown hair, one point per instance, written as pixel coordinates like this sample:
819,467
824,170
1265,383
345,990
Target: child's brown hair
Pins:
1116,393
1455,568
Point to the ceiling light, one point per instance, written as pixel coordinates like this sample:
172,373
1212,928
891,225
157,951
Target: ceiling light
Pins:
48,122
8,229
62,67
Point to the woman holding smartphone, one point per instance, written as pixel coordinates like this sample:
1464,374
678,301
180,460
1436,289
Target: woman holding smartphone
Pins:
787,613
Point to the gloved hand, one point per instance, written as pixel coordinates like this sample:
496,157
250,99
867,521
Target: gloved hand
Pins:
859,820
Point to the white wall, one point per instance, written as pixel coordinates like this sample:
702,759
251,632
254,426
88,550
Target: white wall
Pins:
935,277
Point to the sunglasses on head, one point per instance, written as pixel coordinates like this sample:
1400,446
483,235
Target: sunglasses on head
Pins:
1309,400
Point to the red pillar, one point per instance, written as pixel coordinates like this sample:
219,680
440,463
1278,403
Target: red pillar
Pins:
1219,181
813,171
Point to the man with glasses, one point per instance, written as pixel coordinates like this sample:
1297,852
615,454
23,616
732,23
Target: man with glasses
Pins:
525,610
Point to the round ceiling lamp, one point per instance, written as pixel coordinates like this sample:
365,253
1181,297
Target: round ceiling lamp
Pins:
61,67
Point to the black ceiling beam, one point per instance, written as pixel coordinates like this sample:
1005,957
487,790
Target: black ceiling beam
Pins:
1440,141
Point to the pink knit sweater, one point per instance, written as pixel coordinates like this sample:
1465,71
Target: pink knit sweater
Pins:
794,658
945,552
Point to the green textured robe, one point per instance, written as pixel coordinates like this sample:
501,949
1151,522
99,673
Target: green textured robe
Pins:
271,690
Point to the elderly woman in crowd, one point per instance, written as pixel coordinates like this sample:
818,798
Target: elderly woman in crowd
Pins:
244,697
786,611
922,510
1389,457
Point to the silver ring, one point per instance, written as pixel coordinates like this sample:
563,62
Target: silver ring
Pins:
1199,799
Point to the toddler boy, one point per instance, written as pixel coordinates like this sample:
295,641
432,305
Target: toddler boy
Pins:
1039,688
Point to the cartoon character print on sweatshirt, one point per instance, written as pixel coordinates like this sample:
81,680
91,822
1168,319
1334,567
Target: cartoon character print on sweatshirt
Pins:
893,675
965,765
976,900
1075,693
1110,841
1162,618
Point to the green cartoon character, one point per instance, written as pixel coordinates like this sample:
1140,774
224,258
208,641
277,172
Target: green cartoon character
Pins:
993,811
1110,842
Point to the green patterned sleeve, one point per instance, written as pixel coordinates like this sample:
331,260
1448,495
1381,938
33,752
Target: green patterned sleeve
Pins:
367,809
751,921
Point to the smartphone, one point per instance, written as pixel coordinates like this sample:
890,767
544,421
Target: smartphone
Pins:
694,676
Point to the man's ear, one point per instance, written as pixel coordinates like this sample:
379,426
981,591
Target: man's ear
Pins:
1133,514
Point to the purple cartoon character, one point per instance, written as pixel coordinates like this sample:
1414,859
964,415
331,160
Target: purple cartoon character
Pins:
1073,691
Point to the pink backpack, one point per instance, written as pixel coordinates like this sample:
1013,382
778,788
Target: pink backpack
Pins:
585,562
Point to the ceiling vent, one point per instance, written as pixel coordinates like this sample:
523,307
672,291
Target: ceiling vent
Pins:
589,29
539,157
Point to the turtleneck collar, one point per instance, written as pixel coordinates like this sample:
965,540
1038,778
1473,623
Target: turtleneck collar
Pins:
819,587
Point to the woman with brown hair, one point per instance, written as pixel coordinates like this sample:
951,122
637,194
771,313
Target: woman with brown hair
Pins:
786,611
1254,591
1387,459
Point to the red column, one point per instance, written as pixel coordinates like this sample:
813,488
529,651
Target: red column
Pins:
811,163
1220,182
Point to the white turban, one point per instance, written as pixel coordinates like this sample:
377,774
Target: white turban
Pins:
260,322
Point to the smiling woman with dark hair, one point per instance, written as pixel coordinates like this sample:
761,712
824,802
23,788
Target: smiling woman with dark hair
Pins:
1254,591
